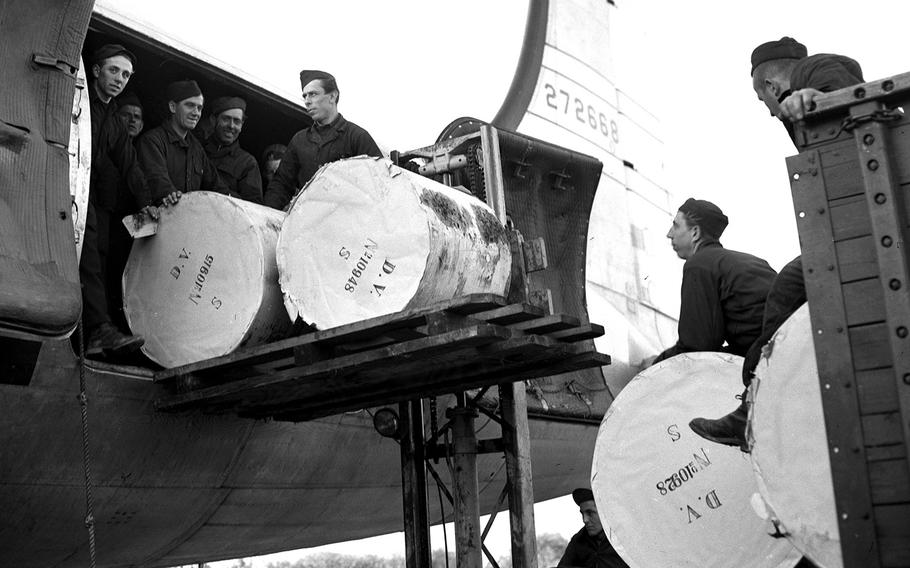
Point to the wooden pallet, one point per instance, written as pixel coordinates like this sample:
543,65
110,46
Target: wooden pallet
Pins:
471,342
849,187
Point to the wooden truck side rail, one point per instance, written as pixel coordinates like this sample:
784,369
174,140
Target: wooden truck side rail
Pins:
849,186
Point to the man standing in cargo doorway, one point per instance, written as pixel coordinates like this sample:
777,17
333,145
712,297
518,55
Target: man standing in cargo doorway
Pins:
589,547
237,167
131,112
723,291
787,81
175,163
113,160
331,137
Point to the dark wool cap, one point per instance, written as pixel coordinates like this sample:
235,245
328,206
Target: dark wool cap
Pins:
784,48
180,90
706,215
222,104
308,75
582,494
129,99
110,50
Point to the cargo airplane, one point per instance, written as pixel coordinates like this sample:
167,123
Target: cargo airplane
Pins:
179,488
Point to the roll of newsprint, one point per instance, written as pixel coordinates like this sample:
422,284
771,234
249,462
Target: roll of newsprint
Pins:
668,497
207,282
366,238
790,444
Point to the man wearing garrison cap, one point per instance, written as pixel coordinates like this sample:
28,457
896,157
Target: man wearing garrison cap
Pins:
787,80
174,162
114,167
589,547
723,291
331,137
237,167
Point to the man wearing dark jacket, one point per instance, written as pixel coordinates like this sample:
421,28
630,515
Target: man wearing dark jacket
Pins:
786,80
175,163
589,547
328,139
723,291
113,159
237,167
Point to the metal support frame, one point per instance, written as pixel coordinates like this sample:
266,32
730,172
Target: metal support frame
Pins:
517,441
466,490
414,485
516,445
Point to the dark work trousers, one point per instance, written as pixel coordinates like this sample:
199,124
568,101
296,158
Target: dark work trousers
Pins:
119,245
91,268
787,294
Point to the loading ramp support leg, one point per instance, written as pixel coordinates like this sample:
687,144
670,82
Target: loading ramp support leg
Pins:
414,485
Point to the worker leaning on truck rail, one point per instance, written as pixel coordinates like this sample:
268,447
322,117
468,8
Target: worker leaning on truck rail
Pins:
114,166
175,163
786,79
237,167
723,291
331,137
589,547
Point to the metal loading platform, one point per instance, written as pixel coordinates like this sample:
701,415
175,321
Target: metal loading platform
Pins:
849,186
473,343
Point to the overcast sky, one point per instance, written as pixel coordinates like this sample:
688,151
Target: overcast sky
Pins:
407,68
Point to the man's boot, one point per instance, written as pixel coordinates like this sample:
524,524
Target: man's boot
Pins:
729,430
108,340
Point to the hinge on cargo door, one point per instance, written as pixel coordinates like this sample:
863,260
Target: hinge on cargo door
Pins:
51,61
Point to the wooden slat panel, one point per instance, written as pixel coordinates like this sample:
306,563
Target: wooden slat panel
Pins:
856,258
324,398
525,371
513,313
864,302
870,347
582,332
877,391
839,168
890,481
470,335
884,453
893,528
447,365
882,429
548,324
850,216
362,330
439,366
835,357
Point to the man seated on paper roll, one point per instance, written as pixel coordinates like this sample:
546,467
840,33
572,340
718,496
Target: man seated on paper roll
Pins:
331,137
175,163
723,291
786,79
589,547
